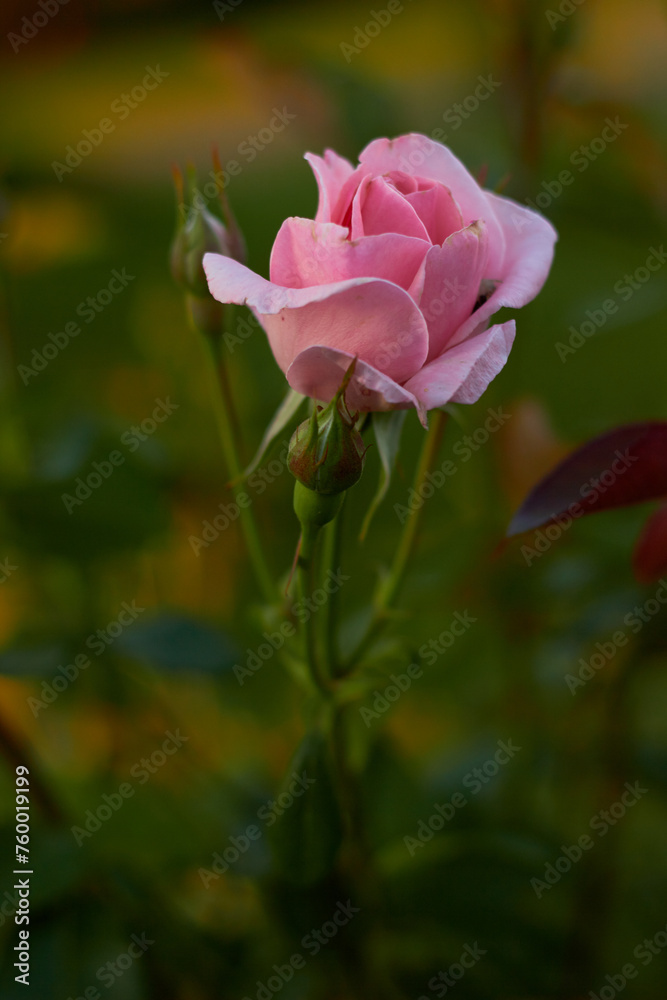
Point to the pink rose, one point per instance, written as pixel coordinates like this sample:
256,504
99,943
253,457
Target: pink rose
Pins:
406,261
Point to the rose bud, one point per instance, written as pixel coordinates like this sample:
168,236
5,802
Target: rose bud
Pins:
327,452
326,456
198,232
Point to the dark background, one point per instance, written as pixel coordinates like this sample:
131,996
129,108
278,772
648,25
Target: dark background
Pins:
172,669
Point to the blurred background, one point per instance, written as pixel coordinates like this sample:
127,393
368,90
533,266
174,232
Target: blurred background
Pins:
86,695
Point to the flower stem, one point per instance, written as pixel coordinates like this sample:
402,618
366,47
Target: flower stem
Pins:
331,557
224,415
307,575
389,588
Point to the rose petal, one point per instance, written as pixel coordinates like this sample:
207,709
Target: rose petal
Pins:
462,373
404,183
529,240
341,212
372,318
318,372
452,276
379,208
437,209
330,174
316,253
418,155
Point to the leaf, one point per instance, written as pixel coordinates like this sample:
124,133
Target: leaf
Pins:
625,466
387,428
649,560
286,411
306,838
31,661
176,642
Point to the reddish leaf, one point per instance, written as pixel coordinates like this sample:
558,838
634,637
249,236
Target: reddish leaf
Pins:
624,466
650,556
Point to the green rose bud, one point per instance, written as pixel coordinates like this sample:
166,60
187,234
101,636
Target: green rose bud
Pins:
198,231
327,452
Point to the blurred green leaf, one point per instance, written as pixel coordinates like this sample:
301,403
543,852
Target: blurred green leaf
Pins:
176,642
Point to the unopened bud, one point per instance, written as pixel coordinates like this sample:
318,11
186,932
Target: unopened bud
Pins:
327,452
199,231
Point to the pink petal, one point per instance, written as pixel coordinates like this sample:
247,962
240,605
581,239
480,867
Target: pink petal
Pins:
342,210
452,276
313,253
372,318
529,240
438,211
404,183
379,208
330,173
418,155
462,373
650,556
318,372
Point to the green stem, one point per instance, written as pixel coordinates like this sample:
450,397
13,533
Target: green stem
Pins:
331,558
306,569
222,404
389,588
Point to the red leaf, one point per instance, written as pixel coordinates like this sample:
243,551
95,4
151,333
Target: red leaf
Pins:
624,466
649,559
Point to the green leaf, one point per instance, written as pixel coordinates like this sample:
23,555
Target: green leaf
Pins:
306,838
176,642
287,410
387,428
32,661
